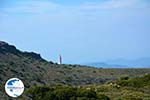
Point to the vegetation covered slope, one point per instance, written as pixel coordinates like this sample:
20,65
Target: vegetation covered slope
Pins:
124,88
34,70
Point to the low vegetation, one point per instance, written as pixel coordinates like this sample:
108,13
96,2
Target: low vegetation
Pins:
117,90
69,82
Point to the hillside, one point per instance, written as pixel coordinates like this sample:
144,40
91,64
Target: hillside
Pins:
124,88
33,70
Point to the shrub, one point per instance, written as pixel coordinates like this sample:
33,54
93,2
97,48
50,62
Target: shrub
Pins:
124,78
37,93
103,97
63,93
86,93
135,82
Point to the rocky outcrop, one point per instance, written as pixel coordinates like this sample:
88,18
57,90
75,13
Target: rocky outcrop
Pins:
6,48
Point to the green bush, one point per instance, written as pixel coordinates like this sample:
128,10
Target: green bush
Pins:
124,77
63,93
86,93
135,82
38,93
103,97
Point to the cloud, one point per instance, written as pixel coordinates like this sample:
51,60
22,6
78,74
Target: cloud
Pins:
109,5
35,7
46,7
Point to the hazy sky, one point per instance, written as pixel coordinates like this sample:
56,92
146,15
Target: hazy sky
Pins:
79,30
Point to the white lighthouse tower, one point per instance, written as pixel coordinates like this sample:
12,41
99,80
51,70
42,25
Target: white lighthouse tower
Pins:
59,60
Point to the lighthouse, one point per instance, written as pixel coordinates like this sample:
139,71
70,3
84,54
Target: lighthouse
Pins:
59,60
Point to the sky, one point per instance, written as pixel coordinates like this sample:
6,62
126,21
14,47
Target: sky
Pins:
81,31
